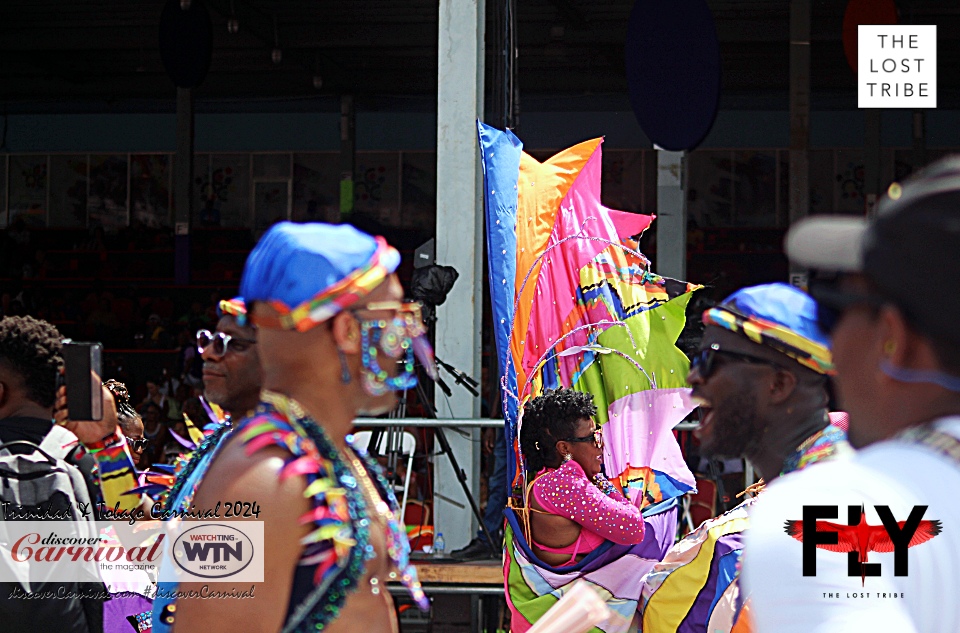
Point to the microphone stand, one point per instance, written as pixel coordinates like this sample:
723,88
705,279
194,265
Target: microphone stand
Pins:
445,445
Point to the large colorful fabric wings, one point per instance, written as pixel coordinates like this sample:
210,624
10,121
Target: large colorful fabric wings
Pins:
576,305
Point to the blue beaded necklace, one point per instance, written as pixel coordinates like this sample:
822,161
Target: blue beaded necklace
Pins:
325,601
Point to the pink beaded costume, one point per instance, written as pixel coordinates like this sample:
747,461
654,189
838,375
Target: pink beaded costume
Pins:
603,516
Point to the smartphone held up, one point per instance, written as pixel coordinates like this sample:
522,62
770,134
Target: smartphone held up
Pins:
82,370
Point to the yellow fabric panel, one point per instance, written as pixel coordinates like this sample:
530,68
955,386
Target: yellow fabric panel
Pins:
671,602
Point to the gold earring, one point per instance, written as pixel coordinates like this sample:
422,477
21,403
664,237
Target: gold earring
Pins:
889,348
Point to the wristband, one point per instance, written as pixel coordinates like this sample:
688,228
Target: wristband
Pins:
114,439
604,484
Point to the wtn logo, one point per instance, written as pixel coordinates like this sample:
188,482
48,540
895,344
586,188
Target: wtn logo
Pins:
213,551
221,551
858,538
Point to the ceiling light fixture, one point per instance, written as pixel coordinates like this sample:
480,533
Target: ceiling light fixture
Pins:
233,24
276,55
317,76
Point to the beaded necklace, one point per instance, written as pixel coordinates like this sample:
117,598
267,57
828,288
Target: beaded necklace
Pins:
340,545
398,545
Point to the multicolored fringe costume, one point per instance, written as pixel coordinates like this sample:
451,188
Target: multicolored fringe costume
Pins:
335,553
576,305
164,482
695,588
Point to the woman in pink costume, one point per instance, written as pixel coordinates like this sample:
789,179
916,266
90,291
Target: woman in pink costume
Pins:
573,507
575,525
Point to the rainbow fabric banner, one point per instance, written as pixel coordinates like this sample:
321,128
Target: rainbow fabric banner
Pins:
575,304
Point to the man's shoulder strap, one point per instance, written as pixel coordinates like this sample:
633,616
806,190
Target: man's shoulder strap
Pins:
937,441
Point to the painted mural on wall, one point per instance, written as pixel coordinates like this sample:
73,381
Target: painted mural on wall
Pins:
28,189
725,188
107,198
316,179
419,189
68,190
222,186
150,189
377,186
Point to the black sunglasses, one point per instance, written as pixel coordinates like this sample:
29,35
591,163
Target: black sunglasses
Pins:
139,445
705,362
596,437
833,302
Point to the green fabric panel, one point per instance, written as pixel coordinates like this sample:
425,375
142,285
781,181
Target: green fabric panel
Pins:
655,332
530,605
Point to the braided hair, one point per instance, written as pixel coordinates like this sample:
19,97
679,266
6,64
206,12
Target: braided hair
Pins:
548,419
125,411
31,348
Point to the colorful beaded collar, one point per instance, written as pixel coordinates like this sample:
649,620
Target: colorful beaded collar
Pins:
339,545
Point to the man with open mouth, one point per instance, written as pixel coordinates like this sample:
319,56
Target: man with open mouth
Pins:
760,376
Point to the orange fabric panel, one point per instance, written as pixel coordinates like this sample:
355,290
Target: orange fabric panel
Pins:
541,188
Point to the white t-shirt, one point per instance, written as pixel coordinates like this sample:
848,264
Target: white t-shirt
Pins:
894,474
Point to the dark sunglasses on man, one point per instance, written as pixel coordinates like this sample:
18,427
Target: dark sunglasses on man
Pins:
832,302
222,343
705,362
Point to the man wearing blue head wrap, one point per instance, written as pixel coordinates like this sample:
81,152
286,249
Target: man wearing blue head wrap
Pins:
760,377
335,340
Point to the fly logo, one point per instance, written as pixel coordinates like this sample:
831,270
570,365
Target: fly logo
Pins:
858,538
213,551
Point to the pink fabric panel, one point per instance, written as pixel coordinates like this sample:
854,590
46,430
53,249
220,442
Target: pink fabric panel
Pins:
640,426
560,269
840,419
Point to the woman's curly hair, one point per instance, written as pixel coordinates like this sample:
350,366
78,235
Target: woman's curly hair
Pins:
549,418
31,348
121,396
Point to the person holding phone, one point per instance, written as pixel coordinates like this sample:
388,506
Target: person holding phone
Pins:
30,361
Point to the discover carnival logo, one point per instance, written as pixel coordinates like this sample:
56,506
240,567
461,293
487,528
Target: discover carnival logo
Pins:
168,551
213,550
858,538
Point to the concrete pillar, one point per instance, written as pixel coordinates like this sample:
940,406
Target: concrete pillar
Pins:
183,187
871,158
671,215
919,139
459,244
799,158
348,151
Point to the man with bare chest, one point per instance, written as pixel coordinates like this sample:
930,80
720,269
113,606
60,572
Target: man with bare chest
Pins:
335,341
